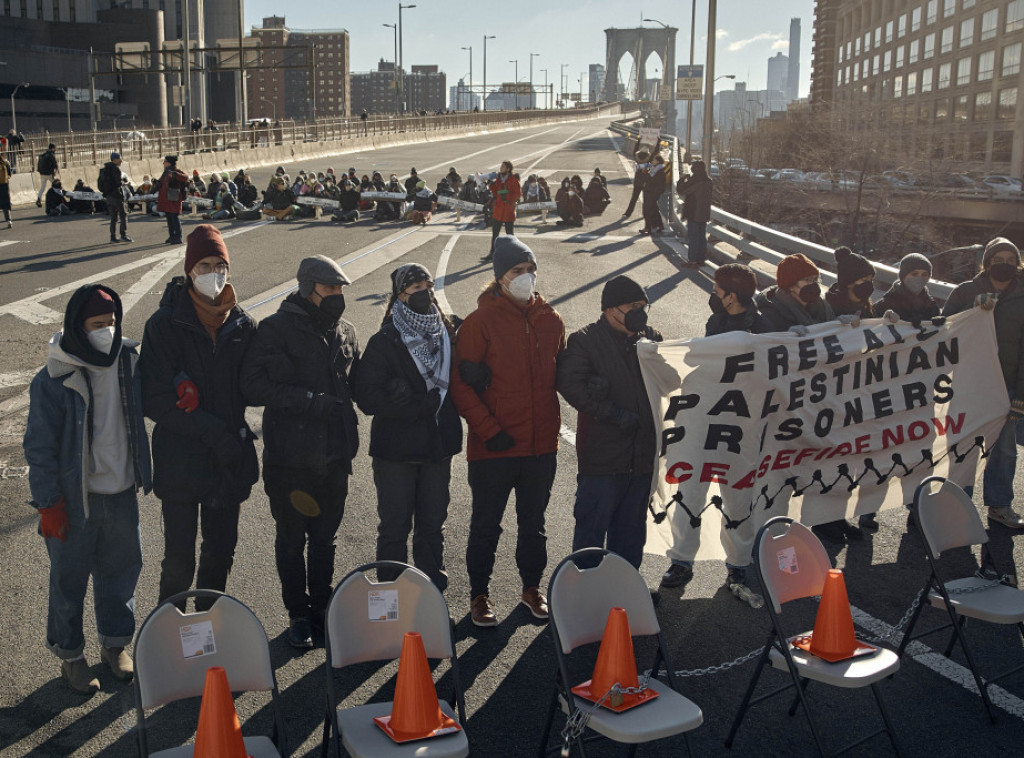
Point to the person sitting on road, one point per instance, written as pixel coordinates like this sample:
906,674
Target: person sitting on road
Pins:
391,210
247,194
424,203
851,294
365,185
88,454
348,209
531,190
82,206
444,189
795,301
278,201
545,191
377,182
598,175
909,297
454,180
595,198
213,187
200,185
569,205
57,203
410,184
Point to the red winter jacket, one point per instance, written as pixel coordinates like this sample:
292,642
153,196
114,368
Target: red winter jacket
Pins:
505,206
520,346
163,205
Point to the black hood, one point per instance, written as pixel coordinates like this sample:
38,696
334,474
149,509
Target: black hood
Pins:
74,340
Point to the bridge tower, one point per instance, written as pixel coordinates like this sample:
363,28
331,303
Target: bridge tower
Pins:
640,43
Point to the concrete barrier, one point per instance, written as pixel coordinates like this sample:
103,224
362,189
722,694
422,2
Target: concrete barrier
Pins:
25,186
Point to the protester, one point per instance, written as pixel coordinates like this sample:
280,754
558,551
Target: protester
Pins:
403,382
88,454
454,180
5,190
795,300
999,285
595,197
616,440
410,184
569,205
171,191
348,203
278,200
46,167
909,297
424,202
204,460
300,369
600,177
855,283
504,387
732,302
642,168
247,194
696,191
506,191
654,187
111,185
57,202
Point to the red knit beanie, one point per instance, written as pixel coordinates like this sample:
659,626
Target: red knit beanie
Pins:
791,269
98,304
204,241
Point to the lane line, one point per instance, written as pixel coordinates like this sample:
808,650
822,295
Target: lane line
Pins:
442,271
10,242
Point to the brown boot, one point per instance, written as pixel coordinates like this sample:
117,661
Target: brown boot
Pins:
482,612
534,599
76,673
119,661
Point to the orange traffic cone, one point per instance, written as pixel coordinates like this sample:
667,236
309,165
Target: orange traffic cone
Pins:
219,734
833,638
415,713
616,663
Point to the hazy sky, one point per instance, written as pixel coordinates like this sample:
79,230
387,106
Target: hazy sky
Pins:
569,32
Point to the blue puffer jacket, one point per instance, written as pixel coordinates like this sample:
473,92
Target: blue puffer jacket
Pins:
57,436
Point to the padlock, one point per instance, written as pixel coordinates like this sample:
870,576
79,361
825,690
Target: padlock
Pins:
615,700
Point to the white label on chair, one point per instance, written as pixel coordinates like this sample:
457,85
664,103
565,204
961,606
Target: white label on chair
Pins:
382,605
197,639
787,561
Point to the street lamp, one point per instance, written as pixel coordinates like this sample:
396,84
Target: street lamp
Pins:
67,100
516,61
561,82
272,105
469,100
14,117
530,101
486,37
547,100
709,73
401,55
394,79
725,76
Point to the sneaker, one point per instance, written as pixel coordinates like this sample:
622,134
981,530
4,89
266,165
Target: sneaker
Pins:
868,521
39,203
736,576
126,238
119,661
300,634
79,678
481,611
692,264
677,575
10,224
534,599
1005,515
113,240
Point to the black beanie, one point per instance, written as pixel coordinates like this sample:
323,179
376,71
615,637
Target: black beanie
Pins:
850,267
621,291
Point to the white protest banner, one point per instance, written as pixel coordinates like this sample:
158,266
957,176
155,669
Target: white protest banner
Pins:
84,195
142,198
844,421
199,202
454,202
323,202
547,205
649,136
374,195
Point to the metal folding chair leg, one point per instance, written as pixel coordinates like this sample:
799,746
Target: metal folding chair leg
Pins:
885,718
547,724
958,634
796,698
745,705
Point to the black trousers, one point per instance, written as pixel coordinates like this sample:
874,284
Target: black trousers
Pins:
118,210
216,554
637,189
492,481
496,228
652,214
306,522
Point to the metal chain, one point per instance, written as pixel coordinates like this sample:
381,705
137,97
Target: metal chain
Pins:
577,722
894,630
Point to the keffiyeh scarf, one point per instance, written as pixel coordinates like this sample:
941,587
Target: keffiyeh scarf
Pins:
426,338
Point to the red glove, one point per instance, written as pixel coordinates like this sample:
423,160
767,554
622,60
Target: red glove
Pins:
53,521
188,395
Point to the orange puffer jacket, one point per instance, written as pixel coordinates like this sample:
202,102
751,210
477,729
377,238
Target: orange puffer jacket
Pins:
505,205
520,346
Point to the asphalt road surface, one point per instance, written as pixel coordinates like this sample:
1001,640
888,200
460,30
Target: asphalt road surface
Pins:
507,671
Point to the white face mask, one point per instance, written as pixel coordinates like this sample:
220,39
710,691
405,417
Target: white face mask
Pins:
210,285
521,288
102,340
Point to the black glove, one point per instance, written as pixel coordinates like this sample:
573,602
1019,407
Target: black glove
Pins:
476,375
499,442
228,449
456,321
399,391
652,334
433,402
597,388
627,421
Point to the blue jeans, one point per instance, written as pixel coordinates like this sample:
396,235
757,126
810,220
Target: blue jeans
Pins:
1001,466
173,226
108,548
696,241
612,506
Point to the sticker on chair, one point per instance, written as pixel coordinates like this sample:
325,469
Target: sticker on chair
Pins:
197,639
382,605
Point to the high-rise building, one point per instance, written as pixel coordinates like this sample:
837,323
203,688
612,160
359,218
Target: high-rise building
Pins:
596,81
461,98
374,91
793,75
426,89
778,72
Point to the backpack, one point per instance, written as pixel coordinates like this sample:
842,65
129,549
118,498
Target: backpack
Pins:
105,182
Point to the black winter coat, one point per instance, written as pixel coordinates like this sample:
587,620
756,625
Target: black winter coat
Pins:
841,304
696,193
412,432
601,446
963,295
748,321
783,310
909,307
175,345
292,363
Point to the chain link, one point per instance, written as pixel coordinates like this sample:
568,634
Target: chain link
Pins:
894,630
577,722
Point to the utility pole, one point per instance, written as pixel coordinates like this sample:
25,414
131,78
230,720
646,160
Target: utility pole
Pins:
561,82
516,61
689,103
469,100
92,92
241,68
394,79
531,100
709,78
486,37
401,55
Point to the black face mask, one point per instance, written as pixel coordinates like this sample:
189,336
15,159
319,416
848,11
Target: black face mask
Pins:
863,290
420,302
332,306
635,321
810,293
716,305
1002,272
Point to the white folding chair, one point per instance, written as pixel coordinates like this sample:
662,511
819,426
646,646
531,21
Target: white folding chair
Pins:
166,670
781,545
580,600
947,519
352,637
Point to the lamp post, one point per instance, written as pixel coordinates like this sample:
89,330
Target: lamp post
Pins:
67,101
272,105
583,75
561,82
547,100
401,55
394,79
516,61
709,77
531,102
664,62
484,93
14,117
469,100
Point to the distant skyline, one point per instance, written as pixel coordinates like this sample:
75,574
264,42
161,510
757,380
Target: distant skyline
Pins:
749,33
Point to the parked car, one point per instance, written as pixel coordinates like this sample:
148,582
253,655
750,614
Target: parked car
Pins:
902,178
1001,184
763,174
789,175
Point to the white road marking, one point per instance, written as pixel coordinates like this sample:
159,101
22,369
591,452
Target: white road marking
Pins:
4,243
441,272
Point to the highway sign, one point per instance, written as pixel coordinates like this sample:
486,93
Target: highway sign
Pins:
689,82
